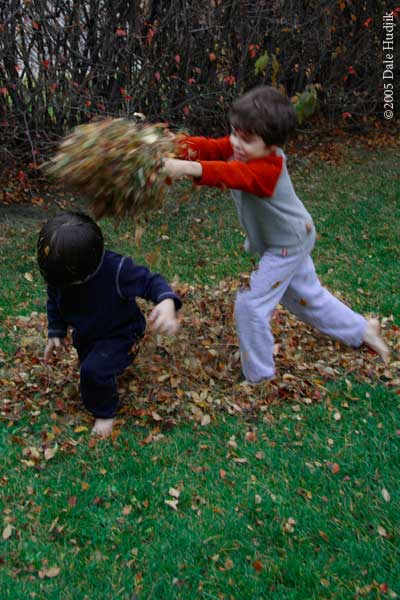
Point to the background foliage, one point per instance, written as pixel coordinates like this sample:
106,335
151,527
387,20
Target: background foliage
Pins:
63,62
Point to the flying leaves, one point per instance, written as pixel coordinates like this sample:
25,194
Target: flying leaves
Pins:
116,164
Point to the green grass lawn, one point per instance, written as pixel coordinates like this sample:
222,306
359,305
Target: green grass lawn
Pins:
298,502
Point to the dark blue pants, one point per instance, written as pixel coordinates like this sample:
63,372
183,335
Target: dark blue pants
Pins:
101,363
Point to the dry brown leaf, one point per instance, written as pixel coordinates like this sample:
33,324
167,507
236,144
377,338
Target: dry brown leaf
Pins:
49,572
7,532
174,492
49,453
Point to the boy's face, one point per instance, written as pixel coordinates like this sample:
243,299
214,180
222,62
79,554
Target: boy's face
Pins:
248,146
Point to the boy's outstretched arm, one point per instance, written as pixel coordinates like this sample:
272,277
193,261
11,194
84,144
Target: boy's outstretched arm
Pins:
176,168
258,177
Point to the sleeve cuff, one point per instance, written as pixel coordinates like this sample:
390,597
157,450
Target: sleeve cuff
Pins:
173,296
60,333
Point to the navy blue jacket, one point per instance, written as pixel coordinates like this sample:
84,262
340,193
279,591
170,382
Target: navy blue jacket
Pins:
105,305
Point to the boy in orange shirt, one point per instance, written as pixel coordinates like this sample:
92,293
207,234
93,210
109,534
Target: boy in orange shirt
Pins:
278,228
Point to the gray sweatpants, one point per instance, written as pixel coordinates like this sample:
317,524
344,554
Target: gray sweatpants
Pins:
291,280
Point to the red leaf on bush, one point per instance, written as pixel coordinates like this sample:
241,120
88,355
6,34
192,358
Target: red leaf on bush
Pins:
121,32
150,34
253,49
230,79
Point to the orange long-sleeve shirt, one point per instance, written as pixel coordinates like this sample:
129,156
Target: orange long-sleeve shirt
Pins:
258,177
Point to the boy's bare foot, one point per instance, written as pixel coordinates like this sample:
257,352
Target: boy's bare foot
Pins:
102,427
373,339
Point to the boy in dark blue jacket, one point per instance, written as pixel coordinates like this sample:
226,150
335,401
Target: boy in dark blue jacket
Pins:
95,291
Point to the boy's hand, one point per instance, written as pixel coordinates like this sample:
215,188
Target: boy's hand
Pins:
163,317
175,168
54,344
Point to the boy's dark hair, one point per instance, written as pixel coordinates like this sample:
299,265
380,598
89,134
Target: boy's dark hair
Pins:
265,112
69,248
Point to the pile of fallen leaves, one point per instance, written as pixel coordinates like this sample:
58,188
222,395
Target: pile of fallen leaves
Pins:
195,375
116,164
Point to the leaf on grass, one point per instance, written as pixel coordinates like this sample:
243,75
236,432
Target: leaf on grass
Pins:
174,492
49,453
385,495
288,526
115,434
172,504
382,531
7,532
205,420
80,429
54,523
232,443
228,564
333,467
323,535
49,572
257,564
138,235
